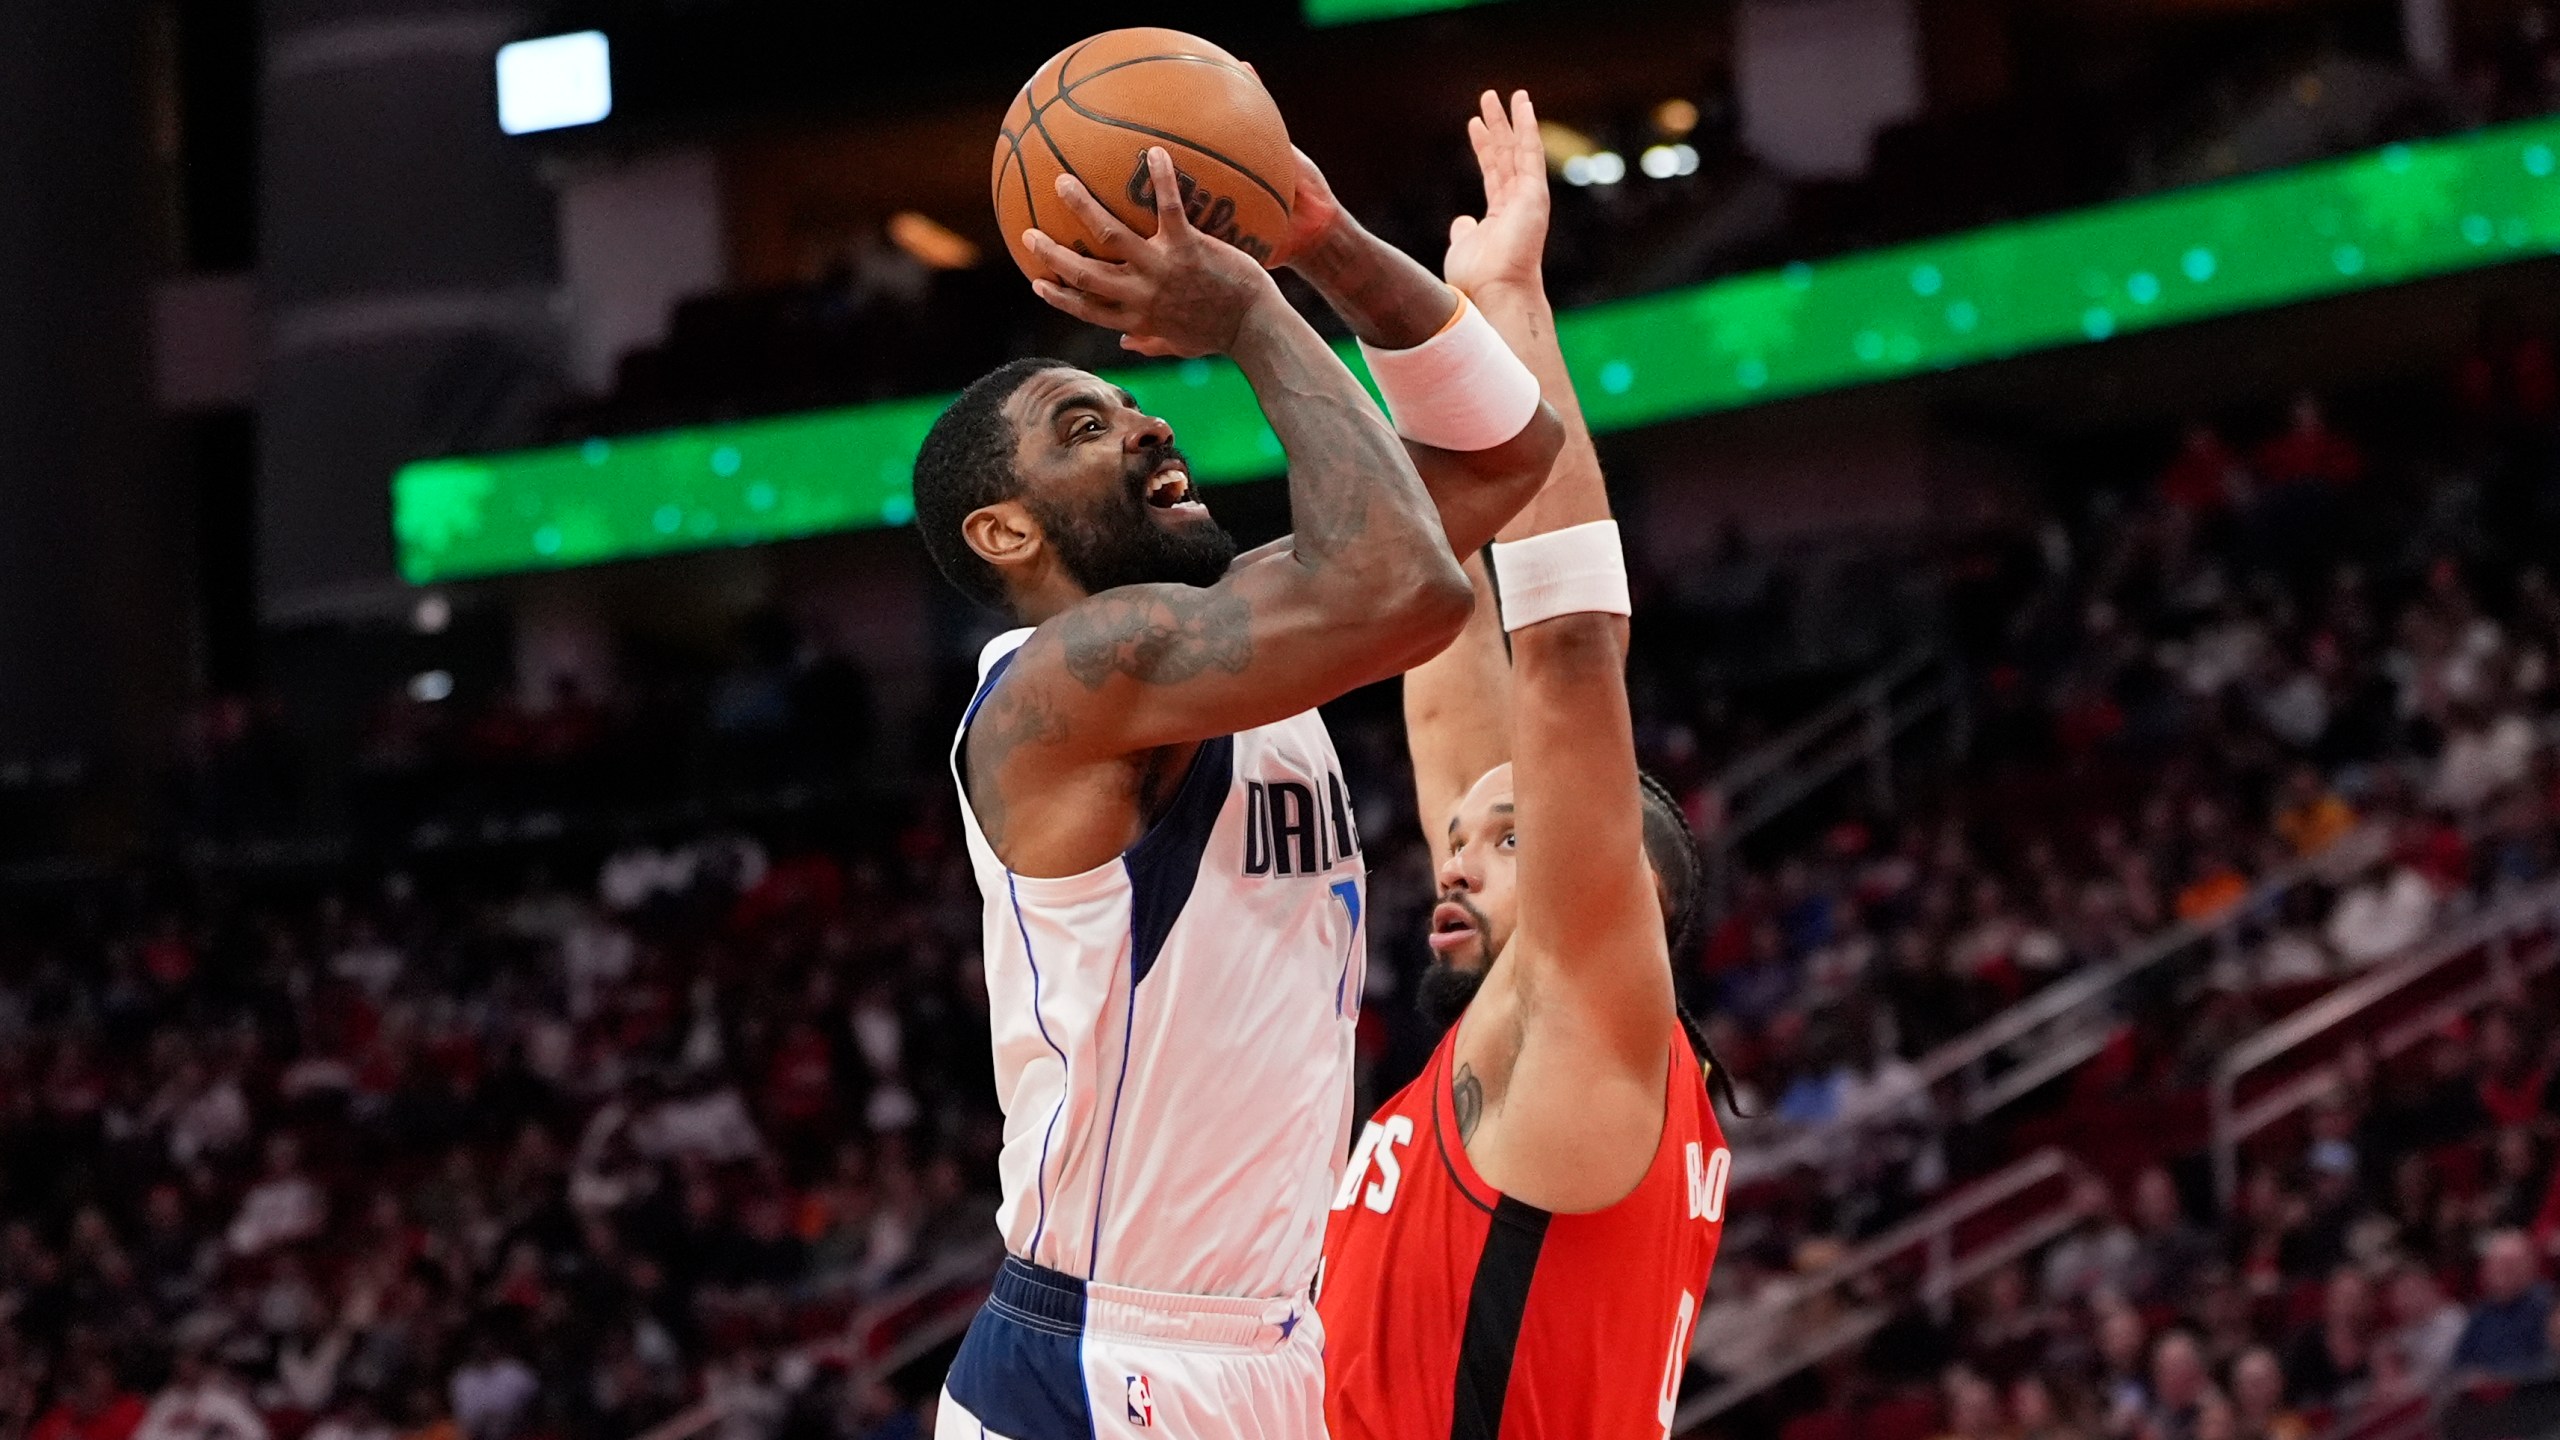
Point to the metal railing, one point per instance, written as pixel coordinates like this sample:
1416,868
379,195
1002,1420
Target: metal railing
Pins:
2491,935
852,1345
1857,730
1931,1235
2043,1037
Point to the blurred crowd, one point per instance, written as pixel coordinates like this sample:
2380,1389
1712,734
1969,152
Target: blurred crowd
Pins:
484,1155
2397,1255
2261,660
2300,683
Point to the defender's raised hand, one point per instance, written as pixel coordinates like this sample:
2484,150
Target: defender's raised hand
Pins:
1505,247
1177,292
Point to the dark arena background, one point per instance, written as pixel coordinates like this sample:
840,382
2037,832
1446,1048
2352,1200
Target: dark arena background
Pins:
486,951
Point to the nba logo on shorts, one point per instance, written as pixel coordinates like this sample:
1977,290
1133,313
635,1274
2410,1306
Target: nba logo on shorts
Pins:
1142,1402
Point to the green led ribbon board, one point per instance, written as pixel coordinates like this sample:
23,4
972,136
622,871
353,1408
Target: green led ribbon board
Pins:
2392,215
1345,12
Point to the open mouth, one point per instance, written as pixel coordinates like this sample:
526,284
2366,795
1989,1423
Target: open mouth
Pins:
1452,927
1170,489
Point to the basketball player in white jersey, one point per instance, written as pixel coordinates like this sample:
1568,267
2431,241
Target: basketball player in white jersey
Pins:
1157,819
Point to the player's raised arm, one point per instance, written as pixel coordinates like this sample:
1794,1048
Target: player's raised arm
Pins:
1457,712
1403,314
1457,705
1590,947
1367,586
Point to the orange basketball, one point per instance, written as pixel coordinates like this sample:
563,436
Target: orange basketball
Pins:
1097,106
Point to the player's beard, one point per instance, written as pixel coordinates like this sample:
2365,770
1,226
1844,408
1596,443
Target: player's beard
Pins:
1448,988
1117,543
1444,994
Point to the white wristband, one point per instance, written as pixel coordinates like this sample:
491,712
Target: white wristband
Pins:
1462,389
1578,570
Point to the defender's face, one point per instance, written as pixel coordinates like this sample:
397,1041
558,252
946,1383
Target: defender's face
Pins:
1109,489
1479,871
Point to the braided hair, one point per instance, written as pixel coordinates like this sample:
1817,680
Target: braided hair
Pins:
1672,847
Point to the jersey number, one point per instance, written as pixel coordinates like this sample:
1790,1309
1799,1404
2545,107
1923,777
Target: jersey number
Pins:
1346,991
1378,1143
1707,1177
1677,1364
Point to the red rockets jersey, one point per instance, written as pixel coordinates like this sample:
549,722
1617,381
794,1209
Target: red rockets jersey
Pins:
1453,1310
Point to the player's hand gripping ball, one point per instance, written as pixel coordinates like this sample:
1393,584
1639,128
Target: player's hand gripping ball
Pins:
1096,107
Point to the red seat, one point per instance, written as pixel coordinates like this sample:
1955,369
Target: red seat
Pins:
1912,1415
2303,1304
1817,1425
2457,1167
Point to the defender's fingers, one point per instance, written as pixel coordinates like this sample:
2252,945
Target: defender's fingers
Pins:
1148,345
1095,277
1497,123
1524,125
1111,239
1170,219
1499,154
1493,159
1461,228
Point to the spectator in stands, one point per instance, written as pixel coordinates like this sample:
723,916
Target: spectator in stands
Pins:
2173,1254
2515,1071
2033,1414
2258,1405
2006,1330
493,1391
201,1402
2505,1335
2384,916
1972,1407
2327,1364
357,1417
2308,449
2205,477
92,1406
2427,1326
282,1207
2180,1389
2099,1257
2488,747
2124,1388
2310,815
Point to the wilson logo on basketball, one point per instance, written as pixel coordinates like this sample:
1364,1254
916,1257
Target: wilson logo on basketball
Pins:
1210,214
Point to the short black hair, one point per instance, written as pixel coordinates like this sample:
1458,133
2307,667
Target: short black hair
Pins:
967,464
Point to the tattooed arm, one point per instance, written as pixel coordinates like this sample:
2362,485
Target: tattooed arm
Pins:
1365,587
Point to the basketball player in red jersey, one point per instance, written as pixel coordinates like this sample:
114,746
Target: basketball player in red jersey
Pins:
1521,1240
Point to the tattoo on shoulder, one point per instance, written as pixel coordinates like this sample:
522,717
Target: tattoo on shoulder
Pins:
1016,715
1466,1096
1157,636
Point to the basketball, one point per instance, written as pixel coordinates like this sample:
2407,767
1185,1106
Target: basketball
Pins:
1094,109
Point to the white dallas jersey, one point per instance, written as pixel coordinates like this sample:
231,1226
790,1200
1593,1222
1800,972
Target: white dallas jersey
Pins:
1173,1029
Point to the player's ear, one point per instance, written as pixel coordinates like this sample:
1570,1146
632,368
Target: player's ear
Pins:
1003,534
